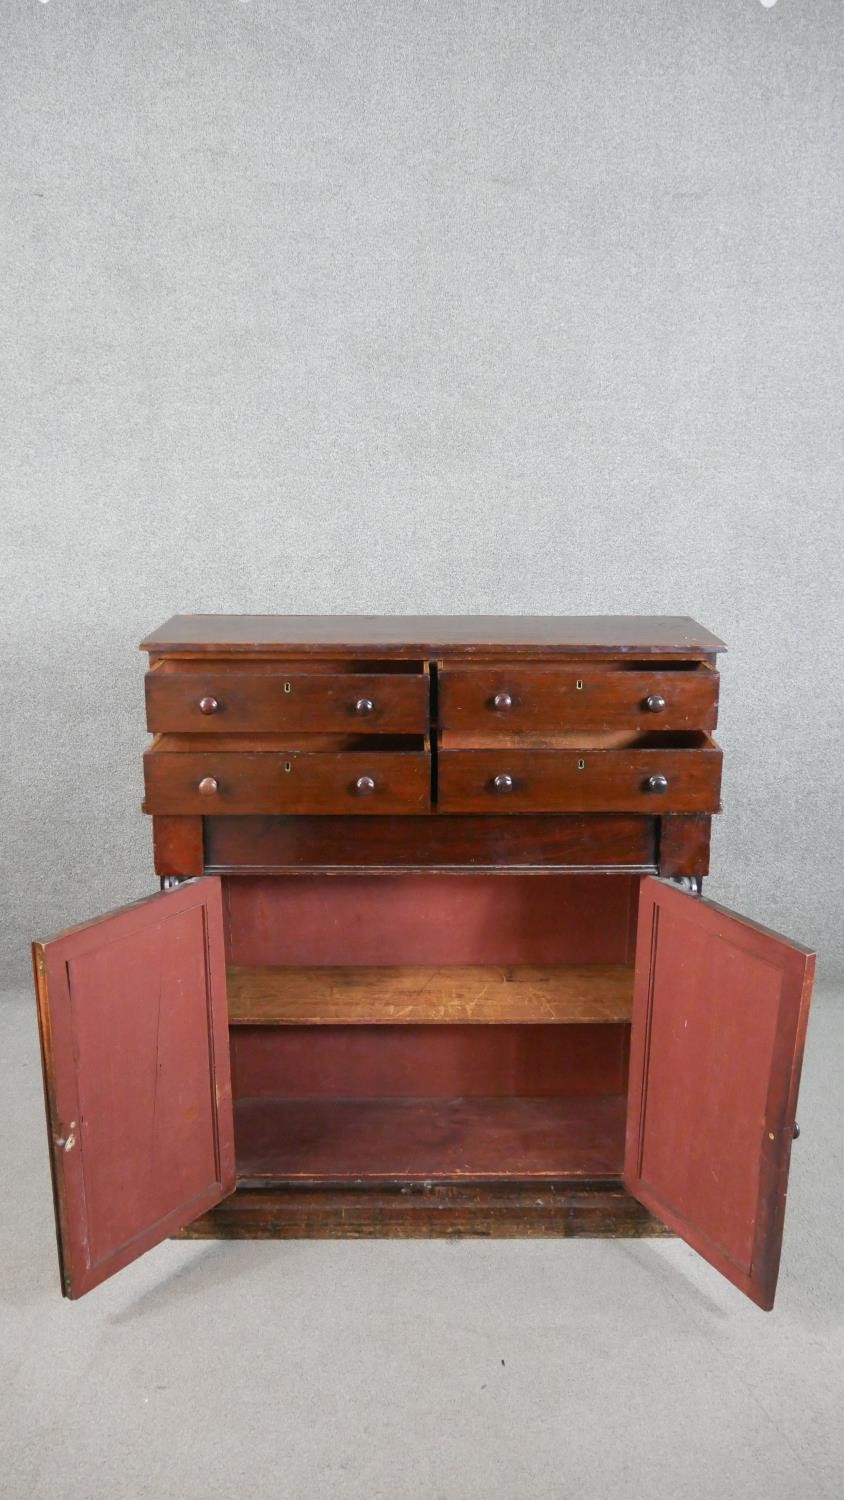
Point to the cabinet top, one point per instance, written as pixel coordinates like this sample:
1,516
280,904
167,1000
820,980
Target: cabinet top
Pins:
421,636
432,635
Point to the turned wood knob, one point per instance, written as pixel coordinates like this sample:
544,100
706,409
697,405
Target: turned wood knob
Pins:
657,783
364,706
208,786
502,701
655,703
208,705
364,785
503,782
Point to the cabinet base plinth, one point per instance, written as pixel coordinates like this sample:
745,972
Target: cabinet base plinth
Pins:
472,1210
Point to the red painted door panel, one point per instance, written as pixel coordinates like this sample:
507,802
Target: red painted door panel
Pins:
134,1042
719,1020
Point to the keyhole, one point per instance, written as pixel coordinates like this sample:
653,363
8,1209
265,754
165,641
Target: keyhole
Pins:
579,684
581,765
288,765
288,687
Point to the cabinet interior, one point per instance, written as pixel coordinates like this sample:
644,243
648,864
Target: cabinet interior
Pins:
241,665
579,739
436,1027
238,744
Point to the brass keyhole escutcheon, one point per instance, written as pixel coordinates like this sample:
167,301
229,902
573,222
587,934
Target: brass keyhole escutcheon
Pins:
581,765
288,765
288,687
579,684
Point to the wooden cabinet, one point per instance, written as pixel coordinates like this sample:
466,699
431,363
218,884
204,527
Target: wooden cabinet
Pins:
432,959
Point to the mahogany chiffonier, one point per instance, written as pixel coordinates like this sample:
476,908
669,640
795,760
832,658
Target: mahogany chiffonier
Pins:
430,956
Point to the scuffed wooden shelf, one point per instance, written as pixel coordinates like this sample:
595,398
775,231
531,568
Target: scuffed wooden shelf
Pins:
351,996
432,1140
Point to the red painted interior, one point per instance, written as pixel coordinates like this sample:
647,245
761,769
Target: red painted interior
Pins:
368,1062
430,919
134,1022
719,1014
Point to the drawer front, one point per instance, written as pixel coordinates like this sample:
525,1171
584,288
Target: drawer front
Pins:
482,781
524,699
259,782
496,842
275,703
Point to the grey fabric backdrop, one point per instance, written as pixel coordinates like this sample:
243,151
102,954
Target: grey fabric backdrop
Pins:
419,307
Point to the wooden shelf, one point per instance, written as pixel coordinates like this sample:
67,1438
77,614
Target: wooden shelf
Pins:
351,996
343,1140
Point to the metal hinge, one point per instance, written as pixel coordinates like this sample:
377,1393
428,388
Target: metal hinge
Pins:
693,884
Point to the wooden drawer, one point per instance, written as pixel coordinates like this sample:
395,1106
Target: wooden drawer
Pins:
221,701
494,843
586,780
215,781
524,699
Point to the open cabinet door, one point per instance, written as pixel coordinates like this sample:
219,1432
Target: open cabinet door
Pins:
719,1021
134,1046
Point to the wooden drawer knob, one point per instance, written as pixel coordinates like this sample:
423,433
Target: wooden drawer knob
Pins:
364,706
655,703
502,701
208,786
657,783
364,786
503,782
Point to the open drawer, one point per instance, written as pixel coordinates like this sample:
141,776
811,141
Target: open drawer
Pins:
306,774
253,697
600,695
614,773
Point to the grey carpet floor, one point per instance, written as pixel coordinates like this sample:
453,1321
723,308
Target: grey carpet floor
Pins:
428,1370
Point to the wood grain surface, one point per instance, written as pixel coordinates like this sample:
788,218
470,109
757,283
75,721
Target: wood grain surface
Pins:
420,636
430,1139
559,993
